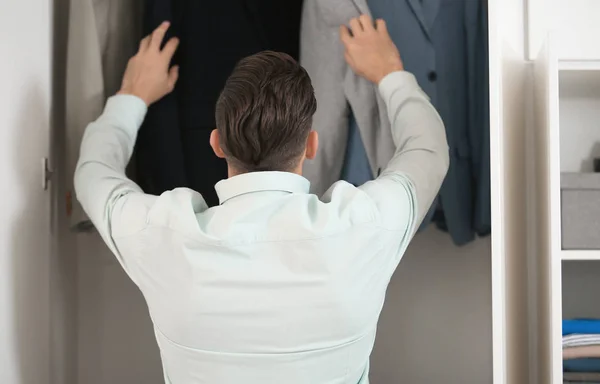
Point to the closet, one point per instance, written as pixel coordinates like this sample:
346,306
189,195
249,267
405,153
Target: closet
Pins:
567,93
453,314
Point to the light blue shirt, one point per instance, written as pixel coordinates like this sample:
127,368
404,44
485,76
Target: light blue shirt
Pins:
274,285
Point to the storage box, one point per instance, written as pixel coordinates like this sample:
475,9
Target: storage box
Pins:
580,210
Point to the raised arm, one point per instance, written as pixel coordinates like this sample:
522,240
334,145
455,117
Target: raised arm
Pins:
113,202
407,187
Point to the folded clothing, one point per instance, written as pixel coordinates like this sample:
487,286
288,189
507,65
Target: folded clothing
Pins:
588,351
577,340
581,377
581,365
581,326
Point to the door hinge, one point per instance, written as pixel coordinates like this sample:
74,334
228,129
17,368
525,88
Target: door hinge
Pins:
47,173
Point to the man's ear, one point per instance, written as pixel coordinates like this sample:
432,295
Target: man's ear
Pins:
215,143
312,145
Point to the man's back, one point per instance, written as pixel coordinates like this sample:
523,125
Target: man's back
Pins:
273,285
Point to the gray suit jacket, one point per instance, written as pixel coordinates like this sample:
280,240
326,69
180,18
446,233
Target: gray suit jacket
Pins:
336,86
443,43
103,35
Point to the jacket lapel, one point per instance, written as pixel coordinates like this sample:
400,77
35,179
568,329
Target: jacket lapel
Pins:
431,9
417,8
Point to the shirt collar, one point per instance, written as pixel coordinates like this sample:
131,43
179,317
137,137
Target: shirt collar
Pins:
261,182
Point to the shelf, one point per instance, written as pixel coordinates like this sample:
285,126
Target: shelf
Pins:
576,254
580,65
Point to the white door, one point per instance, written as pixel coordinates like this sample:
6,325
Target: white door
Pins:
509,80
547,151
25,100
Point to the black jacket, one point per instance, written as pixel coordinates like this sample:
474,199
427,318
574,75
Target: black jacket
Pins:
173,148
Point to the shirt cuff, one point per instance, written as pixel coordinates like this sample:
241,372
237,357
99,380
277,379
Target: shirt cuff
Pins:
128,110
397,80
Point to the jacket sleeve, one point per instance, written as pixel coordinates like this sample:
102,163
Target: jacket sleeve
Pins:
408,185
479,112
84,94
98,51
159,157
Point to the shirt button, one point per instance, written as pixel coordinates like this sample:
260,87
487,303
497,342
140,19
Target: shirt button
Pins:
432,76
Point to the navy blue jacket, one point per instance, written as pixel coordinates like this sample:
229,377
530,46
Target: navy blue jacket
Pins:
173,147
444,44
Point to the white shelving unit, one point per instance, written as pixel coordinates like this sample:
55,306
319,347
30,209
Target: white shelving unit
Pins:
575,23
579,65
567,137
580,255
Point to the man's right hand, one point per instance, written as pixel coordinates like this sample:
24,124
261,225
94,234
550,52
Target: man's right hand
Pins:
370,51
148,75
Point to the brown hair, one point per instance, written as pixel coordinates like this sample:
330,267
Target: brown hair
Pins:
264,113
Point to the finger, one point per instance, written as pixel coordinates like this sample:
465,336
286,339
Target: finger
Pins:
144,43
158,35
355,26
173,76
367,22
381,26
170,47
345,36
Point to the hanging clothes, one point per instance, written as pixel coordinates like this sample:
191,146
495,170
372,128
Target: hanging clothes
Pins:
173,147
356,169
338,90
479,121
444,44
102,36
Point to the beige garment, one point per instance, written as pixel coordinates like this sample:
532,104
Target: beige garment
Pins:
588,351
103,35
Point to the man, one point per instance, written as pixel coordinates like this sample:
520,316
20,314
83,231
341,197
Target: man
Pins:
274,285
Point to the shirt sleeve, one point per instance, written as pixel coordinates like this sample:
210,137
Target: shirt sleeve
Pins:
116,205
408,185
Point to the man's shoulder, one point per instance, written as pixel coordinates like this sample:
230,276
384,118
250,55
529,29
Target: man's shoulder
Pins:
176,208
291,217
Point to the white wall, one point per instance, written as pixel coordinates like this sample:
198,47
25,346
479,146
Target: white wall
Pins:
579,116
580,285
25,95
436,325
116,342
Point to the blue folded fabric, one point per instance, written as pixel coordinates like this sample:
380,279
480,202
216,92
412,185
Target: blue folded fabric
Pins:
583,326
581,365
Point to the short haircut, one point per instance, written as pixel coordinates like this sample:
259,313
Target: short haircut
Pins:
264,113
